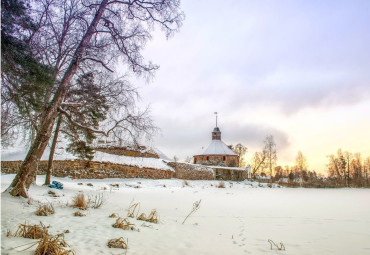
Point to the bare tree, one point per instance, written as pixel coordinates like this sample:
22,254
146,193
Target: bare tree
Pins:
241,150
356,170
341,163
75,35
270,151
367,170
347,159
301,165
258,161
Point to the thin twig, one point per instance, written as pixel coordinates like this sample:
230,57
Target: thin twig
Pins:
196,206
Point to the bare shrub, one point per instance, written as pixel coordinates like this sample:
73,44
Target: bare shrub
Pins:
281,247
132,209
80,183
96,201
221,185
79,201
118,243
79,214
153,217
90,184
115,185
31,231
53,245
45,210
196,206
124,224
113,215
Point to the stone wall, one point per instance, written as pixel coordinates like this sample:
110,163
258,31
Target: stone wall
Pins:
217,160
81,169
230,174
192,172
127,152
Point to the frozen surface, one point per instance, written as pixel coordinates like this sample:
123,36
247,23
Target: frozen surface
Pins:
238,219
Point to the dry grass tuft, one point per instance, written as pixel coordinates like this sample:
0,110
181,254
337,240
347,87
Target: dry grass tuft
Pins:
45,210
79,201
52,193
146,225
30,231
90,184
132,209
118,243
113,215
281,247
78,213
53,245
153,217
141,217
8,233
30,201
124,224
221,185
116,185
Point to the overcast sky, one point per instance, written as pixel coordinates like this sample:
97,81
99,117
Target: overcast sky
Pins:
299,70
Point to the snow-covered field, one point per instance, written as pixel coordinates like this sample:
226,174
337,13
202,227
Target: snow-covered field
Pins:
238,219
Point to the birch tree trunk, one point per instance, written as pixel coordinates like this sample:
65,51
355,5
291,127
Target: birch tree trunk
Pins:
52,150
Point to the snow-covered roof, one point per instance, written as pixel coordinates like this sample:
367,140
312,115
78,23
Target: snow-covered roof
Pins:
217,147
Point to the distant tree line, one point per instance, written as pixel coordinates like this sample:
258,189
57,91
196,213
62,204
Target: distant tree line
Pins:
344,169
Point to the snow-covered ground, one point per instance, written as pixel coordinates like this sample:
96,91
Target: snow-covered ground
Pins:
238,219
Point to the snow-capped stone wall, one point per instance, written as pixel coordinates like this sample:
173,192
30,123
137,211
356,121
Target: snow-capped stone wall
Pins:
81,169
124,151
192,171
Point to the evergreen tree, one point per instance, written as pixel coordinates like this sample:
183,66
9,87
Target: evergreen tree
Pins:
26,82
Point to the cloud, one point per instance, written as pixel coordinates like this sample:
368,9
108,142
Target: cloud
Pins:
292,54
